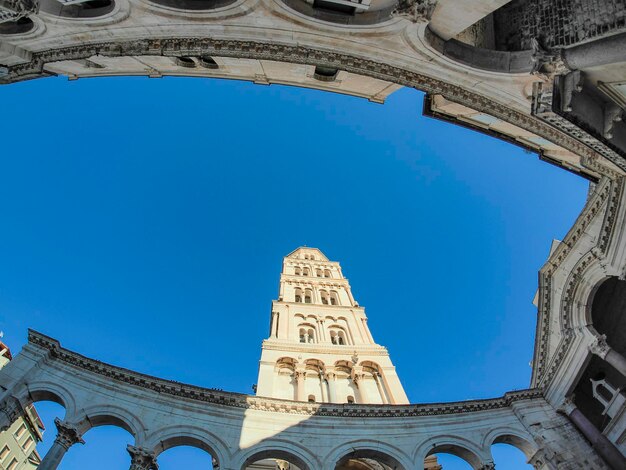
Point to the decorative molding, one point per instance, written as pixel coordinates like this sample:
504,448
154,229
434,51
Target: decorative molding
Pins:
417,11
13,10
141,459
67,434
563,134
238,400
599,346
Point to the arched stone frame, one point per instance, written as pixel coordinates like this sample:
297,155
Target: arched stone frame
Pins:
367,448
278,449
337,326
169,437
119,11
51,391
111,415
472,453
308,327
513,437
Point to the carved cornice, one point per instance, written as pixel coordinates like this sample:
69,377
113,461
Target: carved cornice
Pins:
238,400
565,136
367,350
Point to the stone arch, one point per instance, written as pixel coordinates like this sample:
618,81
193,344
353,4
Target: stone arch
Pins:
513,438
88,9
179,435
605,311
112,415
368,449
454,445
52,391
279,449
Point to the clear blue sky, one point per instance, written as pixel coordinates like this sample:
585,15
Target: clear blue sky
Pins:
144,223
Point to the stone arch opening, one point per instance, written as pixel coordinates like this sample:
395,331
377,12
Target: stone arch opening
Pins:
282,459
89,9
368,459
519,443
194,5
189,441
351,12
21,26
607,312
458,451
506,453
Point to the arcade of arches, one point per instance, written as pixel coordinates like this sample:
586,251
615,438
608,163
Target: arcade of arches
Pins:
546,75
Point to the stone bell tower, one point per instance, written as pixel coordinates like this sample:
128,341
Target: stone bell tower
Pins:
320,347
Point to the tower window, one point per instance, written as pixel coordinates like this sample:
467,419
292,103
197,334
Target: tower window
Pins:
208,62
350,399
306,271
298,295
185,62
326,273
297,271
311,398
308,296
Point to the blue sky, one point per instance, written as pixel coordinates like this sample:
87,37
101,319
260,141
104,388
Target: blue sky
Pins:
145,221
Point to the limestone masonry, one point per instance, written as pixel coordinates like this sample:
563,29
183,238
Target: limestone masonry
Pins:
549,76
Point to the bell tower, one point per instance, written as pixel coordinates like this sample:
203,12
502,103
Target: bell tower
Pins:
320,348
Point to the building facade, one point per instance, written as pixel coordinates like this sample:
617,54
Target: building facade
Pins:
17,443
320,347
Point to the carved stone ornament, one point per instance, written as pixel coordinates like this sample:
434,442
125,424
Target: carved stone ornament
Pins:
13,10
488,466
567,406
547,62
612,114
141,459
67,434
599,346
570,83
418,11
282,465
12,409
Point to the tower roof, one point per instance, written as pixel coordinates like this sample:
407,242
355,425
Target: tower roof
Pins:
307,250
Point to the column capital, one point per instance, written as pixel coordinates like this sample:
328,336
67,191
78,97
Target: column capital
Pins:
599,346
567,406
67,434
141,459
12,408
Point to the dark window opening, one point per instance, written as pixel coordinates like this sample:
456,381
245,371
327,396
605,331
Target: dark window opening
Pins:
334,7
208,62
325,74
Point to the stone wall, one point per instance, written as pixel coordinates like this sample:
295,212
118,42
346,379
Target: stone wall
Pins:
557,23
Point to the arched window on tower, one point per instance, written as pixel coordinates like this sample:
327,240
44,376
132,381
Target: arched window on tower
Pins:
298,271
308,296
311,398
326,273
334,298
306,333
298,297
302,335
318,272
306,272
338,336
324,296
350,399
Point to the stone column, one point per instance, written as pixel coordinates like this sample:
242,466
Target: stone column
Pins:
323,388
300,376
357,379
381,389
332,390
605,448
274,332
67,436
600,348
141,459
